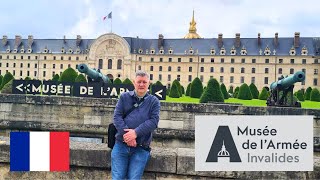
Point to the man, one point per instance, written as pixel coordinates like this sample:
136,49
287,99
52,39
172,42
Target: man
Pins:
136,116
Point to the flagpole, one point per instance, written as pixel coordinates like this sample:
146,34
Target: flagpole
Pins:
111,24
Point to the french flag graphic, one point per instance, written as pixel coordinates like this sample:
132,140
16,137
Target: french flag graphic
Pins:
39,151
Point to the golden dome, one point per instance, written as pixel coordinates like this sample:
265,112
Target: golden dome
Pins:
192,30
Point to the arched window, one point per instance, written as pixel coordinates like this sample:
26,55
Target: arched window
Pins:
119,64
100,64
109,63
169,68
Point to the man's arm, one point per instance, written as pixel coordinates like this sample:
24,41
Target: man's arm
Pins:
117,116
151,124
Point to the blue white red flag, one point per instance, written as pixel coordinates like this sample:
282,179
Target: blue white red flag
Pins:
39,151
109,16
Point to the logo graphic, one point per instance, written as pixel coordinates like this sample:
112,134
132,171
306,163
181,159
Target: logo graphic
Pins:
223,147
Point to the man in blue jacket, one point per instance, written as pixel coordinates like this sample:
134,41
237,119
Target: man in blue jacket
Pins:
131,151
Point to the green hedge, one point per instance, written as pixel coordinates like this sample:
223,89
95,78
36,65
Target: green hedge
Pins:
69,75
117,81
212,93
315,95
81,78
264,94
56,77
307,93
254,91
188,90
224,91
7,77
196,88
244,92
174,91
127,81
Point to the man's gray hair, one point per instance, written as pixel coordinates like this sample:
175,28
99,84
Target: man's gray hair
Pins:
142,74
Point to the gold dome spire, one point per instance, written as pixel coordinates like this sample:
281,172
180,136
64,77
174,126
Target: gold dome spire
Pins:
192,30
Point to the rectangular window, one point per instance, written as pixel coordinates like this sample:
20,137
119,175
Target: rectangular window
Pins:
190,59
253,80
14,72
211,69
28,57
243,60
178,77
14,57
315,72
61,66
35,73
53,66
315,82
222,60
35,65
291,71
266,70
28,73
161,59
21,57
231,79
292,61
20,73
304,61
221,69
44,74
151,76
201,78
232,60
152,59
242,79
54,58
151,68
160,68
212,60
170,59
221,79
266,80
267,61
201,69
21,65
202,60
160,77
7,64
140,58
28,65
0,57
190,69
61,58
179,59
169,77
36,57
14,65
280,61
189,78
232,70
44,66
45,57
316,61
77,58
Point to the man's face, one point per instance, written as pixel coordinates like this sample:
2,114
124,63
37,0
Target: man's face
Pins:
141,84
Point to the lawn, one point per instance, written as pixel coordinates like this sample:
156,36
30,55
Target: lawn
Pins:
254,102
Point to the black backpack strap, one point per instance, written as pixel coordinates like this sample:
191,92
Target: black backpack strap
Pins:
135,105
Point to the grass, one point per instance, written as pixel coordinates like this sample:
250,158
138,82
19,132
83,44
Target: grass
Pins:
254,102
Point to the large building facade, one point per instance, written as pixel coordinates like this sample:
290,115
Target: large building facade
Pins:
232,61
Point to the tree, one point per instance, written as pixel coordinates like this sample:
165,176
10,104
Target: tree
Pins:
230,90
158,83
299,95
1,78
188,90
244,92
315,95
307,93
264,94
196,88
174,91
182,90
69,75
127,81
27,78
212,93
56,77
7,77
254,91
81,78
7,88
178,86
117,81
224,91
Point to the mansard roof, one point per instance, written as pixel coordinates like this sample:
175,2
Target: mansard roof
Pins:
179,46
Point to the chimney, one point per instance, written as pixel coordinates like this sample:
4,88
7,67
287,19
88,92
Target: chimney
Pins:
17,41
220,41
276,40
64,39
30,40
78,40
259,40
4,40
160,41
296,39
238,42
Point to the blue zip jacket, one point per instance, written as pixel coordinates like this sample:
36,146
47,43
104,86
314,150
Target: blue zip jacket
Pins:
143,119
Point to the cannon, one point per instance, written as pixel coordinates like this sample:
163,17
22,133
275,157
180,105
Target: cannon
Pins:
92,74
280,89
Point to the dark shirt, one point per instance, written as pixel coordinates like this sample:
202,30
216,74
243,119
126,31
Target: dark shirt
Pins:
144,119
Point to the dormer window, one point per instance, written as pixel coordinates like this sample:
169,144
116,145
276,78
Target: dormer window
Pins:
170,51
212,51
161,51
15,50
78,50
45,50
292,51
22,50
233,51
304,51
152,51
70,50
267,51
8,49
191,50
243,51
140,51
29,50
62,50
222,51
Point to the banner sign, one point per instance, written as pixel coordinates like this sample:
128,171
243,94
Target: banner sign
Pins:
79,89
254,143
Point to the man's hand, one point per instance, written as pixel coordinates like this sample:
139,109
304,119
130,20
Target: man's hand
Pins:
132,143
129,135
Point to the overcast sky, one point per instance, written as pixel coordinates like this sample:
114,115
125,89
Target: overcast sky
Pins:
52,19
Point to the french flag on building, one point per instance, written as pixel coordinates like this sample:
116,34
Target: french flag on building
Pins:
39,151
